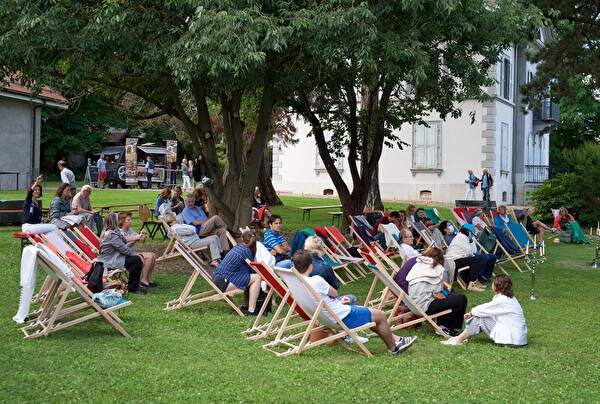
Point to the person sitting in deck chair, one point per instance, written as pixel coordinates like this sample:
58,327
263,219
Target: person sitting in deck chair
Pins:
235,273
502,219
148,257
534,227
378,234
566,221
189,236
353,316
406,243
277,244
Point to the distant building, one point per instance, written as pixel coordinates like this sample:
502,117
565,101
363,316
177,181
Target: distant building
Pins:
512,145
20,120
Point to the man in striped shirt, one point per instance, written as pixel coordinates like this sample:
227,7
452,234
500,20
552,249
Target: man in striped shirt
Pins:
276,243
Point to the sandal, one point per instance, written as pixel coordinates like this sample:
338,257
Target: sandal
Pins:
149,285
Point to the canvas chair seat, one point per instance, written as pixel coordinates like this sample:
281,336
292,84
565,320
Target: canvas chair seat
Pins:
320,315
56,311
186,298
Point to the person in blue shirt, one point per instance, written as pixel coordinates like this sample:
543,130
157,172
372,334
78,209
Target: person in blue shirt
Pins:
235,273
164,197
277,244
205,226
487,182
502,218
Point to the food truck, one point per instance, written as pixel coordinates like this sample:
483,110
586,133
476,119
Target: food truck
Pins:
125,165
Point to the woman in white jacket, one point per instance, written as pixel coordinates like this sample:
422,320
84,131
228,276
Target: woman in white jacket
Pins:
501,319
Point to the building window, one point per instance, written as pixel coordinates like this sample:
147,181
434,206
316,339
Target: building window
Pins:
505,81
319,165
504,147
427,146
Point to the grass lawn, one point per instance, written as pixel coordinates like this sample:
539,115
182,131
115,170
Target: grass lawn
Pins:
197,353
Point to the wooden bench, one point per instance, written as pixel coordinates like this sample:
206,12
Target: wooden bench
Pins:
129,207
335,216
307,209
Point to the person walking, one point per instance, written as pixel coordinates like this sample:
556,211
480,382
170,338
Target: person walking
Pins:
472,183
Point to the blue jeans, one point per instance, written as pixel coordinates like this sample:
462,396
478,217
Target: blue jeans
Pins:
486,194
148,180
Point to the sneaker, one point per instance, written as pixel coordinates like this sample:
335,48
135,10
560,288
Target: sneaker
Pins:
252,313
402,344
451,341
348,339
480,285
554,230
474,288
448,331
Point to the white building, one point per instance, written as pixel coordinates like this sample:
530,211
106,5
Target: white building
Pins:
513,146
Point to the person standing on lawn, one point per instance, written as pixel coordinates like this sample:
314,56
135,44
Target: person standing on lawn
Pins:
67,176
101,164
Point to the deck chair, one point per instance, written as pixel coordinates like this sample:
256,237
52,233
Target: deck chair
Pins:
89,237
171,251
432,215
424,233
339,251
458,214
506,249
320,316
148,222
186,298
79,245
389,231
273,327
361,220
57,312
520,235
393,293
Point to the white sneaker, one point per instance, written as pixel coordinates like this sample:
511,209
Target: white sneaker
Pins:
348,339
473,287
451,341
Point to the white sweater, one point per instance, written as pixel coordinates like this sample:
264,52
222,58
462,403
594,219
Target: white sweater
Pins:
510,325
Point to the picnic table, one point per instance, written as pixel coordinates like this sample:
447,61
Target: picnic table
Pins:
122,206
307,209
335,216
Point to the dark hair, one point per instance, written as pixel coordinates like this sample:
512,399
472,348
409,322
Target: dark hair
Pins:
259,235
302,260
442,226
38,186
503,285
464,231
395,214
420,210
60,189
275,217
249,240
436,254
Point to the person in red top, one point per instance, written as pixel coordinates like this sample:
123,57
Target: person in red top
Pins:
394,217
565,221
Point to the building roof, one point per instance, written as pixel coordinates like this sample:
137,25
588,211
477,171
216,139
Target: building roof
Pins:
11,88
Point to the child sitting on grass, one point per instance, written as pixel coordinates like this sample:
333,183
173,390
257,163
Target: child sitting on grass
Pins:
351,315
501,319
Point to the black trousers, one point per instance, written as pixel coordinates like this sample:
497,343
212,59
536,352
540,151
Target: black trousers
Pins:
471,274
134,264
457,302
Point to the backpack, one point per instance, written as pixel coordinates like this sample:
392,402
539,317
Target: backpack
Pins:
94,277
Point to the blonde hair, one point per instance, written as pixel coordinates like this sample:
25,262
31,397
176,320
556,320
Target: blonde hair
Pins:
170,218
314,245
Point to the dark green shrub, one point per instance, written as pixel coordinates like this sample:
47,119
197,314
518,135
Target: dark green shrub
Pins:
553,194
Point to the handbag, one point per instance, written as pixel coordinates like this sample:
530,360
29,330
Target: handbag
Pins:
94,277
403,309
107,298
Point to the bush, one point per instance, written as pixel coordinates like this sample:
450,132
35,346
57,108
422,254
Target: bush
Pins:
579,192
553,194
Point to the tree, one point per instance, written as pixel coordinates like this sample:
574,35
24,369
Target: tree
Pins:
79,129
180,58
403,61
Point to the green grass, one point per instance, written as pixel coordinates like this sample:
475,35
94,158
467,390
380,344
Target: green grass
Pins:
197,353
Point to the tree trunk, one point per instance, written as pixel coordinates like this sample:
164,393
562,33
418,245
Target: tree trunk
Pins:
374,199
265,182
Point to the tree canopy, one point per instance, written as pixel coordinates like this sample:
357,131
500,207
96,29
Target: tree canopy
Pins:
404,61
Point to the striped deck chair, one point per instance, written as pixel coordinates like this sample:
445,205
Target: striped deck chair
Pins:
393,294
273,327
58,310
186,298
340,252
321,316
424,232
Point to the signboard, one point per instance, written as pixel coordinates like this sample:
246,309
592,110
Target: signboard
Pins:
131,167
172,147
